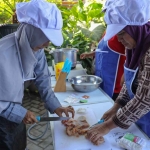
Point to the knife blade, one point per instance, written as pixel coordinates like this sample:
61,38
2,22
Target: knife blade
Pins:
39,118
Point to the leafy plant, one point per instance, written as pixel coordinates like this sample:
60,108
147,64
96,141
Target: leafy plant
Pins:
78,22
7,10
77,30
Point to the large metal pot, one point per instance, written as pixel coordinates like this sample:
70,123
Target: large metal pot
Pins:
61,54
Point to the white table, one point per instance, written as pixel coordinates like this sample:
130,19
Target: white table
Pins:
99,102
63,142
97,96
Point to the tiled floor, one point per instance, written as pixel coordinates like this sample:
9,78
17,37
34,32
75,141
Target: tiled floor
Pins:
33,103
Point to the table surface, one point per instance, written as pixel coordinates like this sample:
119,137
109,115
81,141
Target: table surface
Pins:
97,96
99,102
61,139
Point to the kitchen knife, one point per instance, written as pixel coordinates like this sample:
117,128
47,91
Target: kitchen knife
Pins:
39,118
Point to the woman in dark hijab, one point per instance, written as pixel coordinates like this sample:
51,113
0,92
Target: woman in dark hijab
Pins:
22,59
129,20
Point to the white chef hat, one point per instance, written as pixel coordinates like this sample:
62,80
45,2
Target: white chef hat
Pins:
107,4
43,15
120,13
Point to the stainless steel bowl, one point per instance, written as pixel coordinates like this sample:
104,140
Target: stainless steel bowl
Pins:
85,83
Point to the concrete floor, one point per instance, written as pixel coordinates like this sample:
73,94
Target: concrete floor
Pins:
33,102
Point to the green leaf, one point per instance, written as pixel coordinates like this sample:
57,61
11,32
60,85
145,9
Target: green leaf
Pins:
94,13
74,11
97,32
81,4
86,32
95,6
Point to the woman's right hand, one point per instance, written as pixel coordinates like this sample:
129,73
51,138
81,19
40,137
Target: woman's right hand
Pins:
111,112
84,55
29,118
87,55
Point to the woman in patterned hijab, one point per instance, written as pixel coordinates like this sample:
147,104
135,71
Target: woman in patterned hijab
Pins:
129,20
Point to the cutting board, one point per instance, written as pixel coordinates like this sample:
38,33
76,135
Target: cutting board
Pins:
65,142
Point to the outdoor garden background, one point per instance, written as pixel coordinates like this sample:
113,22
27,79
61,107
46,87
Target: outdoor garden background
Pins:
83,24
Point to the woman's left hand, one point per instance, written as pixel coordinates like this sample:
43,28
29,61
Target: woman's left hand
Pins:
65,110
95,134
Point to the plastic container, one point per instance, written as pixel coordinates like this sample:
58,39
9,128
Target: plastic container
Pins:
131,142
58,68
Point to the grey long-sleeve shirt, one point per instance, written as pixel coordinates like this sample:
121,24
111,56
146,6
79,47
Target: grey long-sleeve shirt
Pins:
14,111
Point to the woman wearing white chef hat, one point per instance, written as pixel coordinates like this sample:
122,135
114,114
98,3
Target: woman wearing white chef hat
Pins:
22,58
129,20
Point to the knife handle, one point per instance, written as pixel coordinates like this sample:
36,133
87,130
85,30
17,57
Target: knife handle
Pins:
101,121
38,118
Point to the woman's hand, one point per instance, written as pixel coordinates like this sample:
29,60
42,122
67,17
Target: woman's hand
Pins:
111,112
65,110
29,118
95,134
84,55
87,55
122,80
